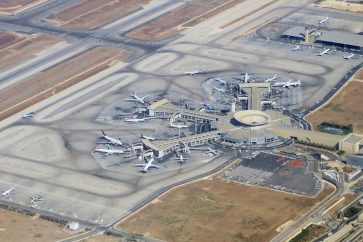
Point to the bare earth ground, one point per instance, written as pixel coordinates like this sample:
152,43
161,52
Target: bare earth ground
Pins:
348,198
8,6
172,23
89,14
341,5
20,227
44,84
345,107
218,210
16,48
102,238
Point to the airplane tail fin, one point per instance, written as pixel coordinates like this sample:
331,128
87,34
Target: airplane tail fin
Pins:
103,132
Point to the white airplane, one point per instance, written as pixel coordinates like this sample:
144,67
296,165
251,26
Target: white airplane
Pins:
177,125
191,73
147,137
347,57
137,99
134,120
181,158
324,21
36,199
219,90
271,79
296,48
109,151
288,84
325,51
246,77
147,165
8,192
111,140
223,82
28,115
208,106
211,151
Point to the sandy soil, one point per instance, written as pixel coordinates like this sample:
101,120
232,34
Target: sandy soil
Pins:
16,48
344,108
20,227
341,5
347,199
8,39
217,210
9,6
42,85
175,21
89,14
102,238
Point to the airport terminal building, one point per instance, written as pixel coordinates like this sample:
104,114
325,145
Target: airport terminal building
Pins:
250,129
334,38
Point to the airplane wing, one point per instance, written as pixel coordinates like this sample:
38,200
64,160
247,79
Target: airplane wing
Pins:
155,166
139,165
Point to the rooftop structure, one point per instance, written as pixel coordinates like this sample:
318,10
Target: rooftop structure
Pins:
165,108
351,143
255,93
252,117
164,147
308,136
337,38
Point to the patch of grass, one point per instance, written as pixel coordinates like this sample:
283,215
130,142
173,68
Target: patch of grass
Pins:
310,233
337,108
352,211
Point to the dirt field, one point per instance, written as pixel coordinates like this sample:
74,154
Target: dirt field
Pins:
17,97
345,107
175,21
20,227
90,14
102,238
9,6
348,198
341,5
217,210
17,48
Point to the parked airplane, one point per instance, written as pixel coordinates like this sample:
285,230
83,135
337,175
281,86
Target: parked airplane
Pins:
109,151
219,90
28,115
134,120
208,106
192,73
211,151
247,77
271,79
351,56
111,140
147,137
137,99
287,84
8,192
324,21
147,165
325,51
223,82
177,125
36,199
296,48
181,158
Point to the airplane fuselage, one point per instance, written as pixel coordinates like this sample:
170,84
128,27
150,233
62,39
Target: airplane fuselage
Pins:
107,151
